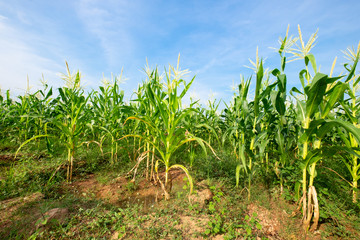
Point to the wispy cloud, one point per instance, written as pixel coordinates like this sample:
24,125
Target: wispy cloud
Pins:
19,60
110,23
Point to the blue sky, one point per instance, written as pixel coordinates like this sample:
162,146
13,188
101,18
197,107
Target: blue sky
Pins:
215,39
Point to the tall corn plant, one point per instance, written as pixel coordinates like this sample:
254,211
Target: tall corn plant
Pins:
41,112
145,107
109,115
4,109
279,127
351,110
238,124
320,95
165,125
20,112
7,117
27,117
249,139
71,116
210,121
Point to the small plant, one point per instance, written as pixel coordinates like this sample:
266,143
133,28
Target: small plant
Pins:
132,186
216,224
251,225
248,229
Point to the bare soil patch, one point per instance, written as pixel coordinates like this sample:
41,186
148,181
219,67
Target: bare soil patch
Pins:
275,221
193,225
122,191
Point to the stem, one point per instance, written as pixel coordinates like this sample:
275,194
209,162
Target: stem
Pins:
71,163
147,157
112,150
68,167
355,185
249,187
267,161
166,176
312,174
152,163
317,145
116,150
305,151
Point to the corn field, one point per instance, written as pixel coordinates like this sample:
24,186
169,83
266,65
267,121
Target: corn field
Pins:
287,135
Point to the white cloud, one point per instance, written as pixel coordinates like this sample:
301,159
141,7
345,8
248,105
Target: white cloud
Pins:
2,18
18,60
108,23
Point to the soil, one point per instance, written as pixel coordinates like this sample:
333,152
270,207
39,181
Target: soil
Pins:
192,225
6,160
9,207
123,192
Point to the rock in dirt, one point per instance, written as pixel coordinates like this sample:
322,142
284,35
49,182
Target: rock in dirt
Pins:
115,236
202,197
34,197
203,184
56,214
118,236
219,237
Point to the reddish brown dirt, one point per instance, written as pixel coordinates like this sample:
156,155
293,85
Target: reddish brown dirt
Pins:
6,160
268,219
10,206
275,218
122,191
193,225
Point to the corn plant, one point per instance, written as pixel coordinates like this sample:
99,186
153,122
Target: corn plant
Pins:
145,107
71,117
20,111
109,109
238,127
351,111
204,123
40,112
211,122
165,125
6,119
278,118
320,95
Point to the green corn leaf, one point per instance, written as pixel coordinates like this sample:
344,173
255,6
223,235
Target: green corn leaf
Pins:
187,174
294,89
348,112
283,63
329,124
280,104
337,92
302,78
237,174
259,77
27,141
311,58
353,68
315,94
